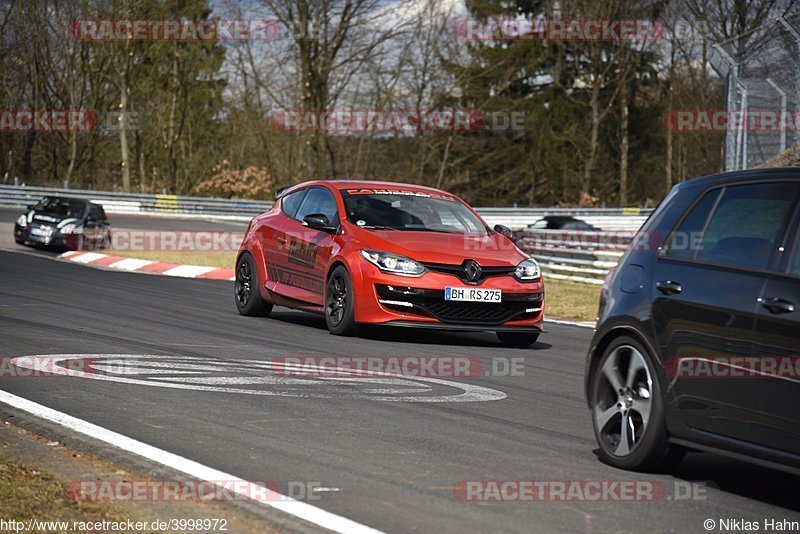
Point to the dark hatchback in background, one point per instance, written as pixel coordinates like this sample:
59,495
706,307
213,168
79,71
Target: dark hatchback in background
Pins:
63,222
698,333
562,222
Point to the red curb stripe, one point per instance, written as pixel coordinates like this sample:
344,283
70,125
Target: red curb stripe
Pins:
157,267
106,260
218,274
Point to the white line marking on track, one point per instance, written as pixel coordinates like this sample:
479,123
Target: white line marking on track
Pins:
146,367
299,509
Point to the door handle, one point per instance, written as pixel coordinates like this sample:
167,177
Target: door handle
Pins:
776,305
668,287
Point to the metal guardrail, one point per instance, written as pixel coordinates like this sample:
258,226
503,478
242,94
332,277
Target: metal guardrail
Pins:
607,219
579,256
172,205
585,257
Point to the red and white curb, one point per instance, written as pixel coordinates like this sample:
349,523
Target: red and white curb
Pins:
135,265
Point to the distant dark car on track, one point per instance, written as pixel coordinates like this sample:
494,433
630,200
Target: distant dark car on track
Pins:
390,254
63,222
562,222
697,343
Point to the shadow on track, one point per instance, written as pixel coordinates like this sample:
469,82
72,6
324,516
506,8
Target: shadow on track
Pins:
404,335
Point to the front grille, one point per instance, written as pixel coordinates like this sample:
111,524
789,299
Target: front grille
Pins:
431,303
458,271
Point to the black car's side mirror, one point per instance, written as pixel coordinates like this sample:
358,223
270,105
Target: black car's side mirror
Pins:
503,230
30,207
318,221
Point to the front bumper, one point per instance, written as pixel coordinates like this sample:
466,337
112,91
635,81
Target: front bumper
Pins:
51,239
395,300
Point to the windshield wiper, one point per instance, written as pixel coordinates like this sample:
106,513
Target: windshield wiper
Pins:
374,227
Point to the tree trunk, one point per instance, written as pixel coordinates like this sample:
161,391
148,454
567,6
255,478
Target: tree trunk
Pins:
623,146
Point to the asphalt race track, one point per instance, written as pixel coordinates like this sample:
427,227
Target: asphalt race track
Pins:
392,464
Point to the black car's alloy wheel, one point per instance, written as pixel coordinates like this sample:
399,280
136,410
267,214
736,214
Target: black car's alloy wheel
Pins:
628,409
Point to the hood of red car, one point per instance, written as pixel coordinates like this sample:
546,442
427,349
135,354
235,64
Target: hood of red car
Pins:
437,247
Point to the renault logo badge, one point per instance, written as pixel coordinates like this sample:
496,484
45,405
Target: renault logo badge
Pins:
472,271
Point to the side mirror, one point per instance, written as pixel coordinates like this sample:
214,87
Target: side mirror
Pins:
318,221
503,230
31,206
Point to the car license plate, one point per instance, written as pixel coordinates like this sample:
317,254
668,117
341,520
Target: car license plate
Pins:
472,294
41,232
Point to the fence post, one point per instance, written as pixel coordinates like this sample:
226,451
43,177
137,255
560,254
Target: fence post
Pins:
732,80
781,92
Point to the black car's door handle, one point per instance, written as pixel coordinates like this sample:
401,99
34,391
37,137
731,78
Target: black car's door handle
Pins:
776,305
668,287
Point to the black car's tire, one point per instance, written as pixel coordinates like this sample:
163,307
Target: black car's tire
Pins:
246,289
519,340
19,241
627,408
340,303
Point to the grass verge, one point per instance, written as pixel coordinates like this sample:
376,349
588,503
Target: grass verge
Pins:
29,494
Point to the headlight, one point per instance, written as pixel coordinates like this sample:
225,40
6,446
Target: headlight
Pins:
393,263
69,229
527,270
22,221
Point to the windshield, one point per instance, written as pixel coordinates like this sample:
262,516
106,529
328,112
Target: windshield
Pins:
410,210
62,206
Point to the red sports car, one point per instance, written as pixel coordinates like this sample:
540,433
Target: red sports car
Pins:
386,253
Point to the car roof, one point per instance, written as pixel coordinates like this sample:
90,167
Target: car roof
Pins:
740,176
347,184
560,218
70,199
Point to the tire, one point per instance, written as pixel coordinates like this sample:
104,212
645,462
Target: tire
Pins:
246,289
340,303
519,340
625,394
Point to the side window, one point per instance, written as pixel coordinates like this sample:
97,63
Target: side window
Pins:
96,213
684,240
318,200
291,202
747,224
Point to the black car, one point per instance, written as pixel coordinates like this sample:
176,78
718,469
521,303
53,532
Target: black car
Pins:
698,333
63,222
562,222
